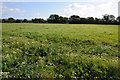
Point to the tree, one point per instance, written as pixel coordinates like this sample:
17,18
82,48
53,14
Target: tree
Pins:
83,20
90,20
4,20
38,20
11,20
18,21
63,19
97,21
54,18
118,19
0,20
35,20
106,18
74,19
109,18
29,21
25,21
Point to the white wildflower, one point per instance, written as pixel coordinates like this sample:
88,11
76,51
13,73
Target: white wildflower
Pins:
14,52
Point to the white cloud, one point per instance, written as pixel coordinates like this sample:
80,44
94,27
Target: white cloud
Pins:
94,10
7,10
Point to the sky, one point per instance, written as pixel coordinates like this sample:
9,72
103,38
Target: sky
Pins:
40,9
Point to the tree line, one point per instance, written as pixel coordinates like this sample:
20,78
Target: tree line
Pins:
74,19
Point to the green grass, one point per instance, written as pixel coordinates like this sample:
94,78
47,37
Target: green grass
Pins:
60,51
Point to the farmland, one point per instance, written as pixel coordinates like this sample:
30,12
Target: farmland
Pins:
32,50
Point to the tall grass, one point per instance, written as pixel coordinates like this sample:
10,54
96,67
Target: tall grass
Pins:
60,51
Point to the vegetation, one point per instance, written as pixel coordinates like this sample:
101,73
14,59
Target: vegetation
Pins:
74,19
60,51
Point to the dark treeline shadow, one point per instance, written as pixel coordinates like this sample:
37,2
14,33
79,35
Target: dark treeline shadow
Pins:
74,19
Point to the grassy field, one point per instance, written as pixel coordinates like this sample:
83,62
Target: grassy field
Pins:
60,51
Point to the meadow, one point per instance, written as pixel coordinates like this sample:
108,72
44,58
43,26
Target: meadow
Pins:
87,51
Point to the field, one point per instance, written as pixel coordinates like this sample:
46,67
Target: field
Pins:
60,51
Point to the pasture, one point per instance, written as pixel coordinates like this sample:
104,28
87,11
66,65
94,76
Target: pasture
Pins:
32,50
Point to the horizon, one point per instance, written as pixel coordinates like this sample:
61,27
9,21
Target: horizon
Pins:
55,14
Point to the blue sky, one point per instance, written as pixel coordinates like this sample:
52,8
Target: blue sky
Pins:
31,10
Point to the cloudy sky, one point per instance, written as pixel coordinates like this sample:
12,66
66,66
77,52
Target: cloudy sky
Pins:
40,9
